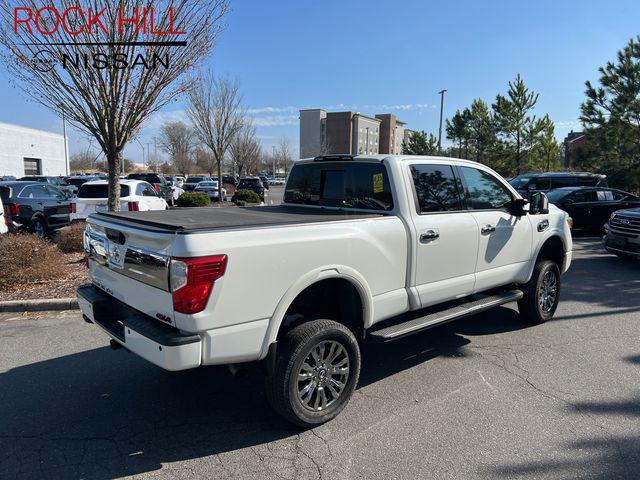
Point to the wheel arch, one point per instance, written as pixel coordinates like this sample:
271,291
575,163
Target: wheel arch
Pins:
552,247
332,272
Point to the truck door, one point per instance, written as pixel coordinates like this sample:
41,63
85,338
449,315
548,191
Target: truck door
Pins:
504,247
446,246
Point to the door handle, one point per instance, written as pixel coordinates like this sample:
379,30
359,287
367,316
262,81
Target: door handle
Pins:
429,235
487,229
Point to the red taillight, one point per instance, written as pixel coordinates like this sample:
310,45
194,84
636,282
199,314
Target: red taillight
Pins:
72,207
12,209
192,280
157,188
134,206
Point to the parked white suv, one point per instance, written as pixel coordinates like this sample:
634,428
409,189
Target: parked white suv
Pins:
363,248
135,195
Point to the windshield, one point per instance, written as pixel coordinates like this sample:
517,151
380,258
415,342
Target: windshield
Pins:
195,179
520,182
208,184
100,191
340,184
556,195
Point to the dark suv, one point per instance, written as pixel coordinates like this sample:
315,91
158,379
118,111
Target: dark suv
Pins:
35,207
55,181
528,183
252,183
160,184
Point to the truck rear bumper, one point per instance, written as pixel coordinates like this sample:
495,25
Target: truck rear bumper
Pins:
156,342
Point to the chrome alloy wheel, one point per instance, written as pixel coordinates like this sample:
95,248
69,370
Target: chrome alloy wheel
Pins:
548,292
323,375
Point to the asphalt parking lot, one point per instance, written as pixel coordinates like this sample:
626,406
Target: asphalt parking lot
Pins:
274,195
486,397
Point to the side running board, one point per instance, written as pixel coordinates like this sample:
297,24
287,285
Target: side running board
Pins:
475,304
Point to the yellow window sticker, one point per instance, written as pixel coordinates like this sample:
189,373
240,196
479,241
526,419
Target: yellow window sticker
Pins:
378,186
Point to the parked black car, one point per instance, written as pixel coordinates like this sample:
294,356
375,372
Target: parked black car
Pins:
55,181
622,233
229,179
35,207
590,208
79,180
528,183
192,181
160,184
265,181
252,183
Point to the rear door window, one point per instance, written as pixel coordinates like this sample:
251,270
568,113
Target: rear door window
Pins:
340,184
5,194
559,182
436,188
605,196
583,196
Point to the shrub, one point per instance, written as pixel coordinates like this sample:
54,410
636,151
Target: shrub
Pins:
193,199
69,239
27,259
247,196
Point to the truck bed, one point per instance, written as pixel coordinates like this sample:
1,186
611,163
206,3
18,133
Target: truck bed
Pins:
185,220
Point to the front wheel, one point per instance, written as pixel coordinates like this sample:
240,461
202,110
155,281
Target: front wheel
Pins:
541,293
315,374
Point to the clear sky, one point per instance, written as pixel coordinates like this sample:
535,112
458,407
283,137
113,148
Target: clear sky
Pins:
394,56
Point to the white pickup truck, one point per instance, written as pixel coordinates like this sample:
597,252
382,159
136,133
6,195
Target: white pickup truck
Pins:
364,248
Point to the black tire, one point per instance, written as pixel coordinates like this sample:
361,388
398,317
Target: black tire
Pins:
38,227
533,307
283,384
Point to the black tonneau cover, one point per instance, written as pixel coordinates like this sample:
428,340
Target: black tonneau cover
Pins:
184,220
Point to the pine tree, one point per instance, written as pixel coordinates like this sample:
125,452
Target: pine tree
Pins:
482,133
611,116
517,127
420,144
457,129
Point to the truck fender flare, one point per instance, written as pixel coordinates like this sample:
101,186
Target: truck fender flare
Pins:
319,274
554,232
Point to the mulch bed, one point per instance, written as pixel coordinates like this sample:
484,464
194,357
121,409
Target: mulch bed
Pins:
77,274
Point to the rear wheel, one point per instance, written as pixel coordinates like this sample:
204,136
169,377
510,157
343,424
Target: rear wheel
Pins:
541,293
38,227
315,373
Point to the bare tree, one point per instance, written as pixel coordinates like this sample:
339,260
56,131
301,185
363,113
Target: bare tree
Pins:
154,162
177,140
245,150
217,117
283,155
203,159
104,75
81,161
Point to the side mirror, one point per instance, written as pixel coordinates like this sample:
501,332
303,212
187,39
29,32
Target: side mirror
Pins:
519,206
539,204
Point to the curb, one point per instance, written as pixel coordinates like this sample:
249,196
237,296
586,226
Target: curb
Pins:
51,304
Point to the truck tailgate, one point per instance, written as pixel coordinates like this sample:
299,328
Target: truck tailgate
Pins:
132,265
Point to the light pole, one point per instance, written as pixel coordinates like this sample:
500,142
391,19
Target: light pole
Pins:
66,146
441,92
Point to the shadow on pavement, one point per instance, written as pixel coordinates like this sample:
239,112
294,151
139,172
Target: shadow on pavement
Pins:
105,414
602,458
599,278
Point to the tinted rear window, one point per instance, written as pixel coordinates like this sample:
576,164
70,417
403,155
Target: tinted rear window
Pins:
340,184
195,179
249,183
100,191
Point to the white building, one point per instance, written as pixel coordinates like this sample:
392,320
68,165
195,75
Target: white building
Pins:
27,151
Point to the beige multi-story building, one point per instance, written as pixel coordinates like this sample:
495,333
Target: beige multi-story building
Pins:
324,132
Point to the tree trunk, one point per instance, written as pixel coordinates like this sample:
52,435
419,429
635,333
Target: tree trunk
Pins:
114,162
219,165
